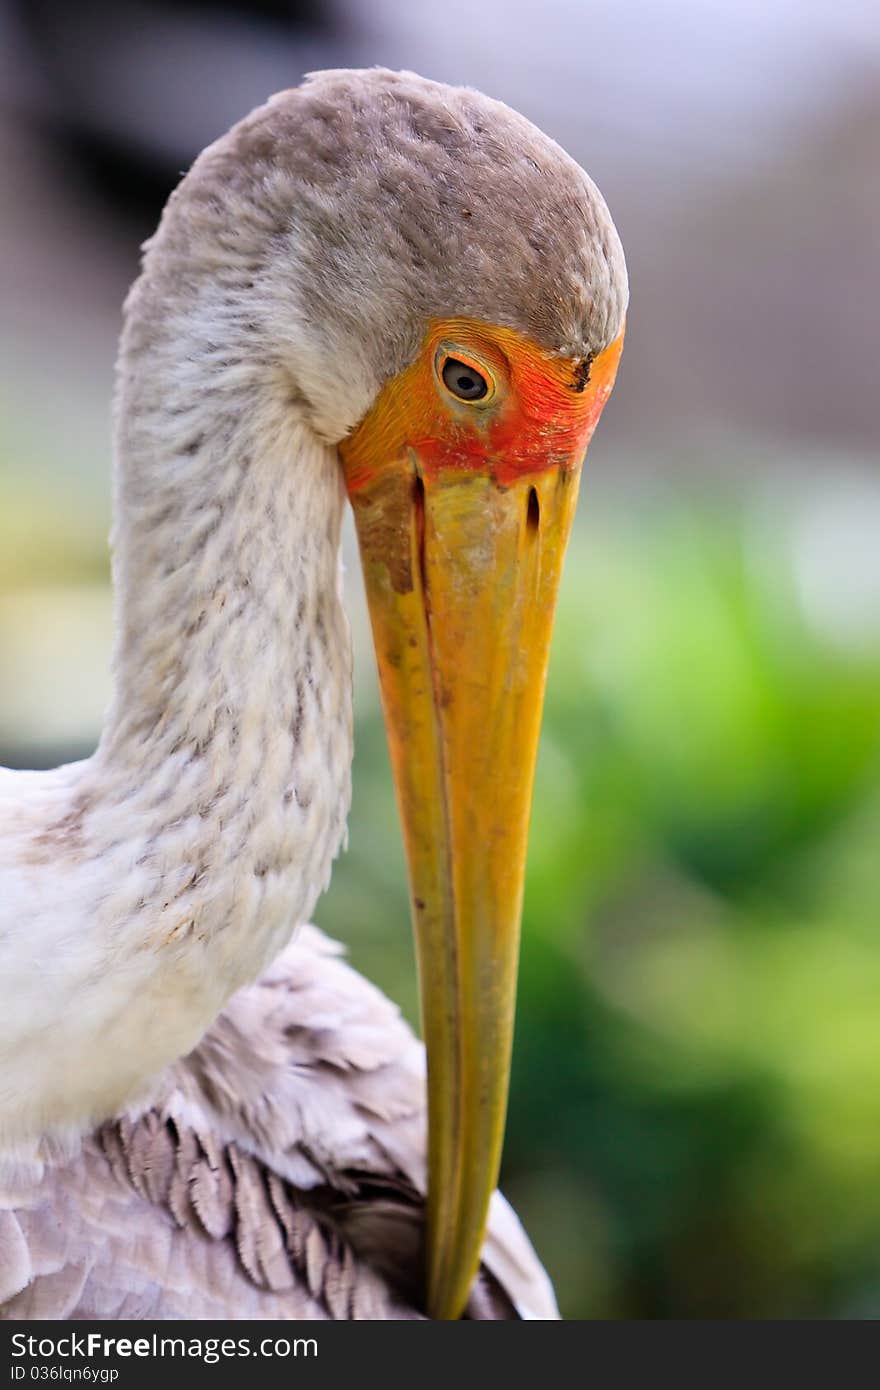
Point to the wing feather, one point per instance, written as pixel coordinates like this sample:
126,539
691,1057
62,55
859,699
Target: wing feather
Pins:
278,1172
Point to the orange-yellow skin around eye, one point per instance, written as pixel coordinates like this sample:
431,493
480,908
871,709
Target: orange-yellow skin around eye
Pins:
537,415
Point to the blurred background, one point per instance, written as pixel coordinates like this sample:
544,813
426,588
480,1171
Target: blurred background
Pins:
695,1117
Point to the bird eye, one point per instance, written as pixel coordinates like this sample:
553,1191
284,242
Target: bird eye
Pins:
463,381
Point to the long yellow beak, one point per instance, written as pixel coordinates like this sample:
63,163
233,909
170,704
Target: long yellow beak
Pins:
462,644
461,573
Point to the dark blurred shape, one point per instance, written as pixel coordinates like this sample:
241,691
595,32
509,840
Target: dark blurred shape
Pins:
132,89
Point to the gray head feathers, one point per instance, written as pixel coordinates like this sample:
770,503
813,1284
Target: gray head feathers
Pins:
340,217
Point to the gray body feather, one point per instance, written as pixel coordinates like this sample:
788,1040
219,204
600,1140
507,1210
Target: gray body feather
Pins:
277,1172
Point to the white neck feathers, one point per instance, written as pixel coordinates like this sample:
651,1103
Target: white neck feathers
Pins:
166,871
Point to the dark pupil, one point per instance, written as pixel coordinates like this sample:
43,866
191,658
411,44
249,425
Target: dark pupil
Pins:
463,381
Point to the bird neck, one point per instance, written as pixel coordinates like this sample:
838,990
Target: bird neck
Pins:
228,738
176,862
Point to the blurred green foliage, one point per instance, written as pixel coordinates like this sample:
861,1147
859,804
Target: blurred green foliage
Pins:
695,1117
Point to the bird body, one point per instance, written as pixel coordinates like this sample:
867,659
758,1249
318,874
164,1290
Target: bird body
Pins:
316,282
278,1171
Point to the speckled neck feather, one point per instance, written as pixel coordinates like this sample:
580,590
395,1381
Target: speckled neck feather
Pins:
204,827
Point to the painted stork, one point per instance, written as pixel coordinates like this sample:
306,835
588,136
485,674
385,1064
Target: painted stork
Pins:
374,285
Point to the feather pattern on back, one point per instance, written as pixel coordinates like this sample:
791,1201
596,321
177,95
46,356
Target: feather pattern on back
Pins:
277,1172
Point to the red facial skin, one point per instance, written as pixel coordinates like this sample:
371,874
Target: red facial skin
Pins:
540,412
